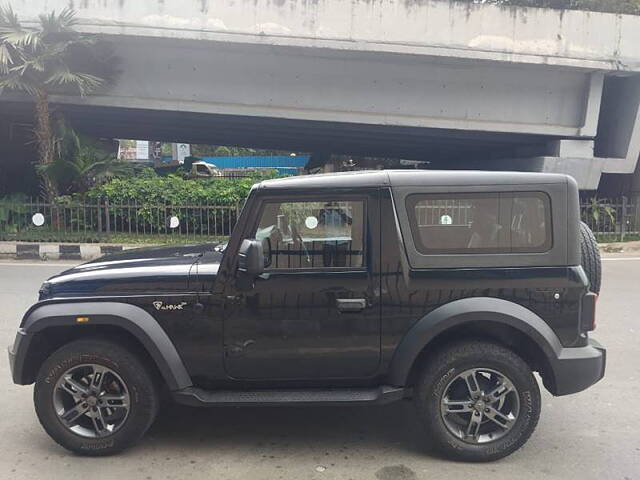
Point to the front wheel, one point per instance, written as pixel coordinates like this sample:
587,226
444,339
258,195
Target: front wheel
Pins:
95,397
479,401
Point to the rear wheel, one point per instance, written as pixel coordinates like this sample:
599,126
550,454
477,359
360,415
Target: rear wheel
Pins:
95,397
479,401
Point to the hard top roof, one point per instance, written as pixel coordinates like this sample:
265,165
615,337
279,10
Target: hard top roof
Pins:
401,178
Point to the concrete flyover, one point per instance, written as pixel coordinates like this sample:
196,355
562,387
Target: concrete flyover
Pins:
460,85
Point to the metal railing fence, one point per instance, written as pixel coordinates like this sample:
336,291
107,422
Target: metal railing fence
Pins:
612,219
101,220
96,221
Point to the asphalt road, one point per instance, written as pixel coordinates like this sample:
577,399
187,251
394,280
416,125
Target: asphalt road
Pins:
591,435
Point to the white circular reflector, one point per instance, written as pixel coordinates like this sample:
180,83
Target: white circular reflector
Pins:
311,222
38,219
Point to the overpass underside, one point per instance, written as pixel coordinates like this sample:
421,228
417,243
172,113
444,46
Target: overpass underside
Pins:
552,103
444,147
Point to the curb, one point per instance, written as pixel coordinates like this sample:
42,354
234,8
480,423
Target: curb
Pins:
58,251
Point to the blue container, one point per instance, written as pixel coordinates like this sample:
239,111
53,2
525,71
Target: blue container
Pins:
277,162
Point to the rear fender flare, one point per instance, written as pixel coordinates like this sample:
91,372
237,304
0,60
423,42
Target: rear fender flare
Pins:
464,311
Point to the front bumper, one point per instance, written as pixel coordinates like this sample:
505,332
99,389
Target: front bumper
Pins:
576,369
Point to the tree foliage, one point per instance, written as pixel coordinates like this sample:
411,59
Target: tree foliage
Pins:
81,162
611,6
49,58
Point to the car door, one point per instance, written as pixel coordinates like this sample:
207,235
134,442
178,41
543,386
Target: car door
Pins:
314,313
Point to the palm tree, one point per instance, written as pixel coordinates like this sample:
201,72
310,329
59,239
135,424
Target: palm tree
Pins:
49,58
80,162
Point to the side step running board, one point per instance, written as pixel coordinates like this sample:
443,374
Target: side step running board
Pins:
345,396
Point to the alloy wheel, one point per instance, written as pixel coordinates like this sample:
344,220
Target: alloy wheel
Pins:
91,400
480,405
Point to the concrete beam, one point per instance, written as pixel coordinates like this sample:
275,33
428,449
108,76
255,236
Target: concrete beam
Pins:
586,171
439,28
351,87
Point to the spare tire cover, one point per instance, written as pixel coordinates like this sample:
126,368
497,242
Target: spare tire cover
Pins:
591,262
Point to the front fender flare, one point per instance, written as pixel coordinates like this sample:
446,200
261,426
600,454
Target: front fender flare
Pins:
463,311
131,318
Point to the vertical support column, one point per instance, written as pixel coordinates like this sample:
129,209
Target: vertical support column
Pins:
592,105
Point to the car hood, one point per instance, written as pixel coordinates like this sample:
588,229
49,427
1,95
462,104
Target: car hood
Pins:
163,269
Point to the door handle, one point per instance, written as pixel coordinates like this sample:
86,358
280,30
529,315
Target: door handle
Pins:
351,304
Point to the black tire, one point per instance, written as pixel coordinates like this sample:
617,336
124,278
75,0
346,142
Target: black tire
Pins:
143,399
591,262
440,371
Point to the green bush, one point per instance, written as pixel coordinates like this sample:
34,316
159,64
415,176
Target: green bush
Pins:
151,189
12,212
141,206
136,207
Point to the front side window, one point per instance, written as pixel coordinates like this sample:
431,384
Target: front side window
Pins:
318,234
480,223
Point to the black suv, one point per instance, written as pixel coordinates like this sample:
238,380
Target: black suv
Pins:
449,288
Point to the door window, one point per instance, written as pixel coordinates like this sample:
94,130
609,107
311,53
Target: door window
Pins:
318,234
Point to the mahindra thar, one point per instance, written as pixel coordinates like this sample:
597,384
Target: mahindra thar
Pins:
448,288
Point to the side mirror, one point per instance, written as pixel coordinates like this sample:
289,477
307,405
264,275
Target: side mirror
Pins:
250,261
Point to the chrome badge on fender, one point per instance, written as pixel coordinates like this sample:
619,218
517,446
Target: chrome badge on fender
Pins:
169,306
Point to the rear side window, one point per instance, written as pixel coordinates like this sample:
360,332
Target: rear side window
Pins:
481,223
